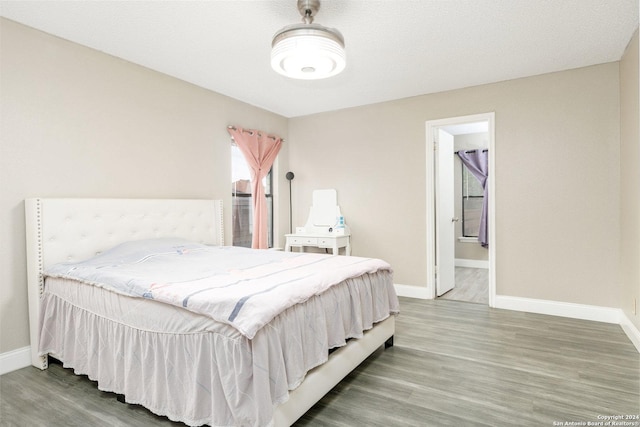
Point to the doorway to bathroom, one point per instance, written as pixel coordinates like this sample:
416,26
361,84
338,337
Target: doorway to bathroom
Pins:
461,208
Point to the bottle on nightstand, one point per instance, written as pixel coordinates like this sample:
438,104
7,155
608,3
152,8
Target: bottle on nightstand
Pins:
340,228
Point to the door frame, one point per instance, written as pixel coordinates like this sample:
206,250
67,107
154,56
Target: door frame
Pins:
432,127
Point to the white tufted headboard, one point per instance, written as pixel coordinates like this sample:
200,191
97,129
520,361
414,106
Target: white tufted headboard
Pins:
60,230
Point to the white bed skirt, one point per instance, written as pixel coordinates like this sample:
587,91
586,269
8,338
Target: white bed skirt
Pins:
192,369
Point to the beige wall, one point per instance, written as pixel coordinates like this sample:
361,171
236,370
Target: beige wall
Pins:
630,179
79,123
557,180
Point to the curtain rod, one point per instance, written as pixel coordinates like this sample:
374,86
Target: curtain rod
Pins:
250,132
471,151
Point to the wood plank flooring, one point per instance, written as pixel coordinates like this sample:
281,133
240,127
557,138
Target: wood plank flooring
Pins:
453,364
472,285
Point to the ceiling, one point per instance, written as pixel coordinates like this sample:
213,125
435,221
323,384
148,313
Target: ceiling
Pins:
395,48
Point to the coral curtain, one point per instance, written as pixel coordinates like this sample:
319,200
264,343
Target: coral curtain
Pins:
477,161
260,151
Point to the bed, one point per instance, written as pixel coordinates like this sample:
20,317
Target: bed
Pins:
170,359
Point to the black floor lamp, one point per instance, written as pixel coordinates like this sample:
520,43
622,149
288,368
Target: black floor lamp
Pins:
289,177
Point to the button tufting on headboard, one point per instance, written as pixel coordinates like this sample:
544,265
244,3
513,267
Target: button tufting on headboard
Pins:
60,230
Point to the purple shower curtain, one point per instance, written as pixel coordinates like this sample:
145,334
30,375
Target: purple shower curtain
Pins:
477,161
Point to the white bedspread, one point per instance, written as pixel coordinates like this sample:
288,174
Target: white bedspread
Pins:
241,287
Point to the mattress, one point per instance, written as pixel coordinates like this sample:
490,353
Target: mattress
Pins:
192,368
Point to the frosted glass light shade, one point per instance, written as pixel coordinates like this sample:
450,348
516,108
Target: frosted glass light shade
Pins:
308,52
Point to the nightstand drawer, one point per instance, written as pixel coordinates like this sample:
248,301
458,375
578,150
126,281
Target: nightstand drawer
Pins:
304,241
329,241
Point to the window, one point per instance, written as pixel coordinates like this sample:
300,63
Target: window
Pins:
242,201
472,199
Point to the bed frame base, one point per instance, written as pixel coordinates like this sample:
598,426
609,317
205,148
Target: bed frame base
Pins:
389,343
321,380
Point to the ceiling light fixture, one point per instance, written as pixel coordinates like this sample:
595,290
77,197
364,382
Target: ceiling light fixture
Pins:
308,51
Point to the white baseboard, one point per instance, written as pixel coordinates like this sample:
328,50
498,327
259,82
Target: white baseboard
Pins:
15,359
471,263
557,308
409,291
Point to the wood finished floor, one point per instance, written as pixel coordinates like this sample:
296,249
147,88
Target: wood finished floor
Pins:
453,364
471,285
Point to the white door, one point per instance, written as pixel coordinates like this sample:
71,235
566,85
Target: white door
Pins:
445,213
